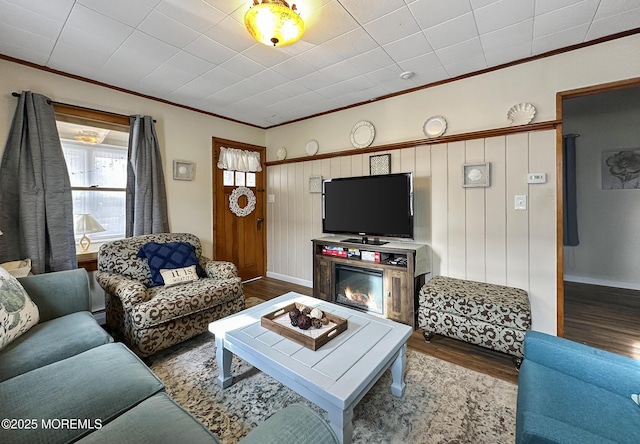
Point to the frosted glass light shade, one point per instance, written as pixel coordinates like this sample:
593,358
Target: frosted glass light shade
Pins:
273,22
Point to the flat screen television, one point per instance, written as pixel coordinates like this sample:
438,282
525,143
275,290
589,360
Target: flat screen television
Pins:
369,206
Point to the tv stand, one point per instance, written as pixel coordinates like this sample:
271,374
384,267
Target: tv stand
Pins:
364,240
403,267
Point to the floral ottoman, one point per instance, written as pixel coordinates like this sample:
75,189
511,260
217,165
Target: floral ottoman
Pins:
489,315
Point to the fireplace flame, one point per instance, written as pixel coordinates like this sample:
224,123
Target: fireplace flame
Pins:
366,299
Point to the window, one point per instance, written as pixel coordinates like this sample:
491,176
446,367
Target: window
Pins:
95,149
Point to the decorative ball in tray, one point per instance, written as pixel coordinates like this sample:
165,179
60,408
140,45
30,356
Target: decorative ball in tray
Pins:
305,317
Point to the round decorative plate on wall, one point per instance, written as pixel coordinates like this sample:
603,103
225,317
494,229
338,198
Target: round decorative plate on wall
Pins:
312,147
362,134
435,126
281,153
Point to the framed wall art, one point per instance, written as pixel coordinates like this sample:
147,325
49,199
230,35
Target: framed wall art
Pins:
183,170
621,169
380,164
476,175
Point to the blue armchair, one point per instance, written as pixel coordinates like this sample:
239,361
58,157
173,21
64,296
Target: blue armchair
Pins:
572,393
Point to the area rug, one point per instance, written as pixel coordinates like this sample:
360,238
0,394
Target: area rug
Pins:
443,402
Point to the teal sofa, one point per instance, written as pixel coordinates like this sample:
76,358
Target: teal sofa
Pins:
572,393
65,380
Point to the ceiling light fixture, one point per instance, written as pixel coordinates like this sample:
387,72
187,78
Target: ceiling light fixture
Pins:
91,136
274,22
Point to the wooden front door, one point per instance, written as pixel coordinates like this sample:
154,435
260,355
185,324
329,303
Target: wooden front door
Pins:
239,239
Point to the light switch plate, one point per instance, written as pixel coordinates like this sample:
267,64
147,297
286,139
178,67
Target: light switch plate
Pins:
520,202
271,198
315,184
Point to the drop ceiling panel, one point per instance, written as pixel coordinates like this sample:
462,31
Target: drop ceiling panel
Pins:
57,10
430,13
197,53
190,63
408,47
391,27
335,21
19,18
602,27
549,41
15,42
567,17
454,31
195,14
365,11
92,31
168,30
129,12
502,13
519,33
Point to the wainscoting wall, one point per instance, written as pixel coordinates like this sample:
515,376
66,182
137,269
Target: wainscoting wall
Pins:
474,233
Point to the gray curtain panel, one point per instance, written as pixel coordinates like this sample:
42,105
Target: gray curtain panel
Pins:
146,201
569,192
36,207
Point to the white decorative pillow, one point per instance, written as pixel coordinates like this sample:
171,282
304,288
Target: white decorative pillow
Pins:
18,269
18,313
179,275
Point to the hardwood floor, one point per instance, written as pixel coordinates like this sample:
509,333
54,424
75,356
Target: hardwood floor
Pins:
473,357
603,317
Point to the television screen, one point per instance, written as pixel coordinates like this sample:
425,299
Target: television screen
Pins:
369,205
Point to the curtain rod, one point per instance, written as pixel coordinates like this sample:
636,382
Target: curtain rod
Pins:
50,102
15,94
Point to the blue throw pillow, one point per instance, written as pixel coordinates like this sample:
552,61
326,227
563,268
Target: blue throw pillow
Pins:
168,256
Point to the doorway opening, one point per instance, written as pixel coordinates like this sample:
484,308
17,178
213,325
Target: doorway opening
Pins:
598,286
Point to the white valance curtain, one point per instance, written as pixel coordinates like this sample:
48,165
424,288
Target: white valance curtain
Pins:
239,160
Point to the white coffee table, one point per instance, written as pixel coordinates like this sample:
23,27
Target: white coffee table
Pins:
337,375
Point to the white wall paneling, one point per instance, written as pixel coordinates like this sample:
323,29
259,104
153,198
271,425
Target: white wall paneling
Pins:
474,233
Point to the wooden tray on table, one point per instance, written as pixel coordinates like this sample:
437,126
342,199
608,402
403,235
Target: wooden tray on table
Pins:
313,338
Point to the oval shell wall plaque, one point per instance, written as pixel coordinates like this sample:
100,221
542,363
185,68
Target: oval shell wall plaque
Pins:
521,114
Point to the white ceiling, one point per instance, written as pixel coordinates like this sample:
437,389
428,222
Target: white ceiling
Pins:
197,52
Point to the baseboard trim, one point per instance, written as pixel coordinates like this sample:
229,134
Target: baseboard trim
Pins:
603,282
293,280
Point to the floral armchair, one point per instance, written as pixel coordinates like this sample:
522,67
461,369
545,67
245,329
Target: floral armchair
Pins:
150,318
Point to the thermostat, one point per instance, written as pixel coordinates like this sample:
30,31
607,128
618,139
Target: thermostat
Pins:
537,178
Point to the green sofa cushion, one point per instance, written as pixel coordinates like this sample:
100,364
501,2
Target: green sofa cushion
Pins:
295,423
51,341
156,420
99,384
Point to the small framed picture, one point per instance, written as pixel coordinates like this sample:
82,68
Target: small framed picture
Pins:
380,164
183,170
476,175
